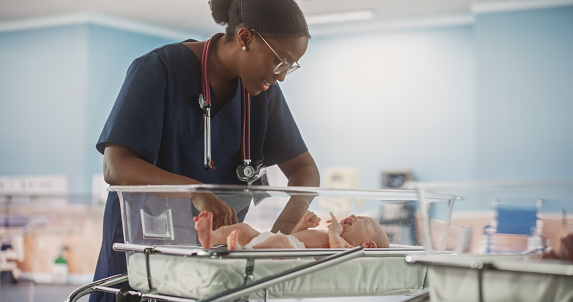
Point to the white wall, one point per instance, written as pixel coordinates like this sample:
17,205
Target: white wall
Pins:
393,100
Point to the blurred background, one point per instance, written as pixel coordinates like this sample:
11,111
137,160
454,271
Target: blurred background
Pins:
406,89
449,89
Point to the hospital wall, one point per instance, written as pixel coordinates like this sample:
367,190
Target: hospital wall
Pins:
482,100
42,95
491,100
524,71
395,100
57,86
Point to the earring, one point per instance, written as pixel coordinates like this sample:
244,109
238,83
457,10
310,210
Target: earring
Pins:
244,47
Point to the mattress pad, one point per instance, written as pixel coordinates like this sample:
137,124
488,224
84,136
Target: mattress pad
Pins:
199,278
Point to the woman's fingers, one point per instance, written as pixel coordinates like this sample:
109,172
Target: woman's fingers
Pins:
227,216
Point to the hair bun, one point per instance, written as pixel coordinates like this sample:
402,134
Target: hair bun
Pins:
273,18
220,10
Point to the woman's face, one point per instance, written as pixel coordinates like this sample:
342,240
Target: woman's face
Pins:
259,62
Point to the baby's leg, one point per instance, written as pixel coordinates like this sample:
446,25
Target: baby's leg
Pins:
203,226
245,235
209,238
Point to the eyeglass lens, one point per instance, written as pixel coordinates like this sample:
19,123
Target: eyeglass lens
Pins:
285,66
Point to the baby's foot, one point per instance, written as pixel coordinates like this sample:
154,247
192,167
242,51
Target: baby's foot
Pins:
233,241
203,225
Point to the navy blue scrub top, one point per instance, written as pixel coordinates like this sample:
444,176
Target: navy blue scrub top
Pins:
157,114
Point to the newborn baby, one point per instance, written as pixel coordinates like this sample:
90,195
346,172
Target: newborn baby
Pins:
351,231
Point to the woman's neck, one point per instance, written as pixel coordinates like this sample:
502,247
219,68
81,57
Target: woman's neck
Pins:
221,61
222,71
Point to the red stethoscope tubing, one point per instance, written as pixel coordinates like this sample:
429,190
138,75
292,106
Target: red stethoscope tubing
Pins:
246,128
245,110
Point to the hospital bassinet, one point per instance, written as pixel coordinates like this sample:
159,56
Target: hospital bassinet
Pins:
166,262
496,234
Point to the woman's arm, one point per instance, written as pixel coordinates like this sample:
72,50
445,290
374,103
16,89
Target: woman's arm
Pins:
123,166
300,171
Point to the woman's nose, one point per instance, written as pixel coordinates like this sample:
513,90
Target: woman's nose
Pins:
281,76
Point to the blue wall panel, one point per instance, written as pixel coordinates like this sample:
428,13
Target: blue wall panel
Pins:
525,102
43,100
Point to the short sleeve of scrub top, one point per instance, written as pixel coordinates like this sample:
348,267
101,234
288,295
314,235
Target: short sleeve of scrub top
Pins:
136,120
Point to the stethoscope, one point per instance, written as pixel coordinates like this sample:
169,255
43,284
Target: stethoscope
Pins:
245,171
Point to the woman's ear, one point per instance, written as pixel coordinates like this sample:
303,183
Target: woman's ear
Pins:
245,37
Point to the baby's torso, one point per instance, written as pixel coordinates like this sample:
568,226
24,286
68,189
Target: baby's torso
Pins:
313,239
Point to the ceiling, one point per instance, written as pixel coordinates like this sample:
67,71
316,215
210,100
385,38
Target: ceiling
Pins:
195,15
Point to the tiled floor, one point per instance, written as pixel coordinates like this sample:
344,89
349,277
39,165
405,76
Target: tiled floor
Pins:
27,291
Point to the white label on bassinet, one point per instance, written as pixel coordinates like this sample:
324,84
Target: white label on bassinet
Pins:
160,226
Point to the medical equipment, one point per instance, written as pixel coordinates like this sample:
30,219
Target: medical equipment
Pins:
509,268
16,192
246,171
166,263
477,278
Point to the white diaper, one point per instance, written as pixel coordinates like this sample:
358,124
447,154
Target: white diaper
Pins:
266,235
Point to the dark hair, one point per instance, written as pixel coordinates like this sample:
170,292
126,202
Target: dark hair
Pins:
271,18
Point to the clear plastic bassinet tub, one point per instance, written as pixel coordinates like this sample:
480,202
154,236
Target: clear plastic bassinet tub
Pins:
487,244
164,255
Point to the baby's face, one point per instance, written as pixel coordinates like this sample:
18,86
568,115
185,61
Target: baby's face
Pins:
358,229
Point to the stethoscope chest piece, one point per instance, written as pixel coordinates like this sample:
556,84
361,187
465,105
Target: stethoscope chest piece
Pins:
249,173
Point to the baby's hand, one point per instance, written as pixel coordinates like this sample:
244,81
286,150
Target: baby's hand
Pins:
308,220
334,226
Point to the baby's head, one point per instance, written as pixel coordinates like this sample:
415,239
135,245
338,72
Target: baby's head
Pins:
363,230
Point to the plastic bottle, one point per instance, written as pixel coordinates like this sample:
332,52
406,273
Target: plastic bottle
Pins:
60,268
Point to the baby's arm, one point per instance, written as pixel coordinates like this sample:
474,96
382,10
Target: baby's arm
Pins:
308,220
334,231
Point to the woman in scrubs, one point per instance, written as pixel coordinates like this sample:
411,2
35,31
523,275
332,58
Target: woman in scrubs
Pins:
154,134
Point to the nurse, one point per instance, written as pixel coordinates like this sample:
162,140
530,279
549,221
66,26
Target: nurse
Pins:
155,135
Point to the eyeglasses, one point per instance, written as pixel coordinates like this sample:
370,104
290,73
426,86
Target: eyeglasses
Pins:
283,65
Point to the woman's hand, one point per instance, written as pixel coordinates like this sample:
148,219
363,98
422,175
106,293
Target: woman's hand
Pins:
292,214
223,214
123,166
